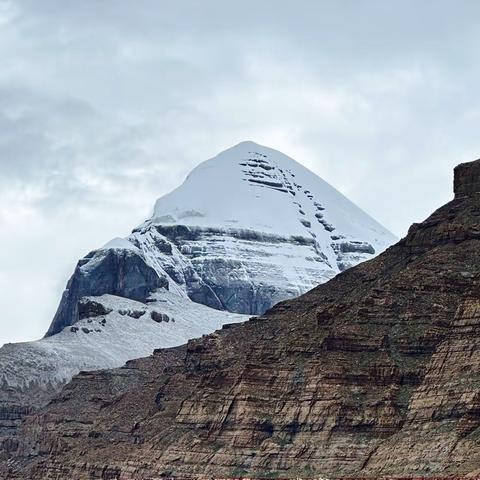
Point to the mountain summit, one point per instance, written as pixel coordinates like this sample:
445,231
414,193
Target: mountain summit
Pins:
252,187
247,228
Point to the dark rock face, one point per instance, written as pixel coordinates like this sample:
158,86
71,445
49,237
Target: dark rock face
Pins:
10,417
226,286
375,373
88,307
115,271
467,179
199,262
178,254
159,317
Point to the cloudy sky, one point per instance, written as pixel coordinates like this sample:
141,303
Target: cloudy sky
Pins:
107,104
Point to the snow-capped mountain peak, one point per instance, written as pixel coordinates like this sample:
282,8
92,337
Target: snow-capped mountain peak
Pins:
252,187
246,229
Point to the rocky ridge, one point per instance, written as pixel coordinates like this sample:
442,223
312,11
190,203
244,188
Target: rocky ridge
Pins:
374,373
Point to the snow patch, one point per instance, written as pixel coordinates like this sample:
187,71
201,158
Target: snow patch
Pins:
107,341
121,243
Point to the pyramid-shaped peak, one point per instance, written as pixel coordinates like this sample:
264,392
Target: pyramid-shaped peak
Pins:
249,147
253,187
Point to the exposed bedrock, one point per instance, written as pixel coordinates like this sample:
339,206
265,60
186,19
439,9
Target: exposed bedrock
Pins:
229,283
467,179
118,272
237,270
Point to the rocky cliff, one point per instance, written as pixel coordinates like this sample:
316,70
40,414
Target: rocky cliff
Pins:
375,373
122,272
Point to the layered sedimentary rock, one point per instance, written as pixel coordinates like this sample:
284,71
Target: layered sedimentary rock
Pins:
442,427
373,373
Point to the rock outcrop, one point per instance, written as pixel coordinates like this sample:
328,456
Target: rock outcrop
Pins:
375,373
116,271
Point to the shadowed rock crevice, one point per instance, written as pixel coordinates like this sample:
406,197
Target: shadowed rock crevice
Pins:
115,271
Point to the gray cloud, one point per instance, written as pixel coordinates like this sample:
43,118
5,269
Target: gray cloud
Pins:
104,106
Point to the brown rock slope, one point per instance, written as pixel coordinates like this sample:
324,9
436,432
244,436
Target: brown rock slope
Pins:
375,373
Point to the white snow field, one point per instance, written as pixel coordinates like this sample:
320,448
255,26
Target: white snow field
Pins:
106,340
282,225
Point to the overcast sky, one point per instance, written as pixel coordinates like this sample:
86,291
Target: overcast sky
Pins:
106,105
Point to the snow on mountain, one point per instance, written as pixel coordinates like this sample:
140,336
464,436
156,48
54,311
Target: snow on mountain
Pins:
247,228
112,330
120,243
253,187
